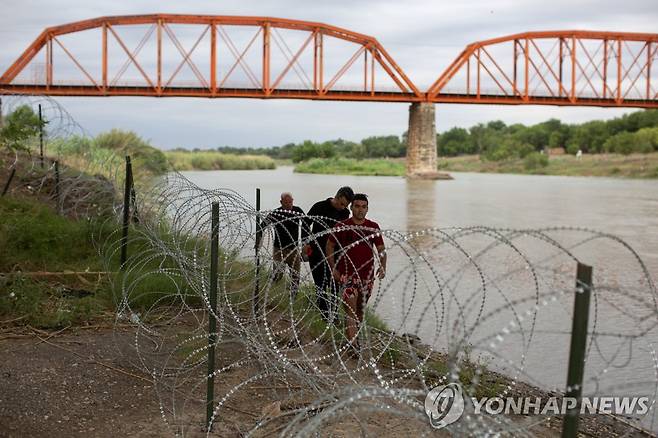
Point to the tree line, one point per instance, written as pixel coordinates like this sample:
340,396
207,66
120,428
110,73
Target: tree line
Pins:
636,132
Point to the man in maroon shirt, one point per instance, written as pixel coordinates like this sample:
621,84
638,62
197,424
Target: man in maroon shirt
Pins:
352,260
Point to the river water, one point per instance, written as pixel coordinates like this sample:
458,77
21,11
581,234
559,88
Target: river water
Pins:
625,208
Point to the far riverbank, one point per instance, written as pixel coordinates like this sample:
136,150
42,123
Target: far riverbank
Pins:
607,165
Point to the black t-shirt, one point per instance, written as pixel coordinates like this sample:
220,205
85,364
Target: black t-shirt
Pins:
323,217
286,226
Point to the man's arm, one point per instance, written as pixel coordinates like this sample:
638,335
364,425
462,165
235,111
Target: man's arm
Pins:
307,225
381,252
331,245
302,223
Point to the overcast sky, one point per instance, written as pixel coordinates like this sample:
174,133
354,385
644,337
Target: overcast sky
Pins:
422,36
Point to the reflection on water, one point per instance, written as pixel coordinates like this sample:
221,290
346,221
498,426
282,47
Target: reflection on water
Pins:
421,204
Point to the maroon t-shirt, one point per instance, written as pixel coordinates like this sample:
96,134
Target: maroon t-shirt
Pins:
354,247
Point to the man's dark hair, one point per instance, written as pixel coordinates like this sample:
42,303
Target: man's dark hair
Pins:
360,197
346,192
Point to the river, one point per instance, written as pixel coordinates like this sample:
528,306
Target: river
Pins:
622,207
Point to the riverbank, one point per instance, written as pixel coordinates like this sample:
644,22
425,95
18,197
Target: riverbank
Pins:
606,165
208,160
154,289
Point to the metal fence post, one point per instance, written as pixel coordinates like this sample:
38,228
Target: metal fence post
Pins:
40,137
11,176
126,212
212,322
259,235
577,350
57,192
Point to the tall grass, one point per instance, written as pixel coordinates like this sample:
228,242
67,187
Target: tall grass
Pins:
349,166
34,238
106,153
207,160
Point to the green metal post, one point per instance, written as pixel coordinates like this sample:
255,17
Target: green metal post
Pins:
41,137
126,212
57,193
259,236
11,176
578,346
212,322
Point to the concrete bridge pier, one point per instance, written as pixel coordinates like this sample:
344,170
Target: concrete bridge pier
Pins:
421,143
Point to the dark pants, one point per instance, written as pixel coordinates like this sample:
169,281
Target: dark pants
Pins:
325,287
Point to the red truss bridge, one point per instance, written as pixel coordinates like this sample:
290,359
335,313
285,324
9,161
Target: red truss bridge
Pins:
261,57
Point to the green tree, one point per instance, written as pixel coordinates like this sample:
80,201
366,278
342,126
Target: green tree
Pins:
588,137
383,146
537,136
305,151
455,141
19,127
648,137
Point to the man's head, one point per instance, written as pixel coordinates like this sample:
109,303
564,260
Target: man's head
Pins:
360,206
286,200
343,197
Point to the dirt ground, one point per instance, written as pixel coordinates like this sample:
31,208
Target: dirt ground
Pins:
81,383
84,382
72,385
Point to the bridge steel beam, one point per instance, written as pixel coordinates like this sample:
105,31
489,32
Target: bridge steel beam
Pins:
563,68
270,83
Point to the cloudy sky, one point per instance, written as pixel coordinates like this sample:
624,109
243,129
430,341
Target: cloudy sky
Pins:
422,36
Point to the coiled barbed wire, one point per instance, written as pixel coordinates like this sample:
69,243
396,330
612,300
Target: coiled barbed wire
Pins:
488,308
82,183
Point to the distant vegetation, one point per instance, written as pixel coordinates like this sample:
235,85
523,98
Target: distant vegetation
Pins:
494,141
514,146
612,165
211,160
372,147
350,166
632,133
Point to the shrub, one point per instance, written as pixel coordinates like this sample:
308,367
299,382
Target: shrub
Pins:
535,161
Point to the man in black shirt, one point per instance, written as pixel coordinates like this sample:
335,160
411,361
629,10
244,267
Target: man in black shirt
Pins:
285,221
321,218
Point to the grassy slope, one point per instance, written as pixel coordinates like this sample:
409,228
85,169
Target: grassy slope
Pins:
35,239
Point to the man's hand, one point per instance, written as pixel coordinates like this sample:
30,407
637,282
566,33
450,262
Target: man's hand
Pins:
381,272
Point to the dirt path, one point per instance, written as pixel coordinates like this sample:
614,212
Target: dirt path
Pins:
85,383
59,388
79,384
